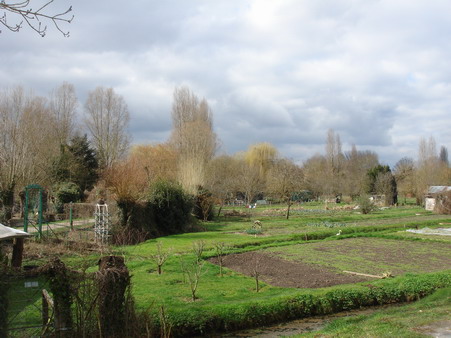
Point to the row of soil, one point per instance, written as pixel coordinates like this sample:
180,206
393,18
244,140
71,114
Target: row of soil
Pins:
371,253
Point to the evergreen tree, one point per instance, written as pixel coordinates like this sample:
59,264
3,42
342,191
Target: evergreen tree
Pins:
77,163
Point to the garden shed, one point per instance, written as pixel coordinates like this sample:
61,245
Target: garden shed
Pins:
432,193
12,237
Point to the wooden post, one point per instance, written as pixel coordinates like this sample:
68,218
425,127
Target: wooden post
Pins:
16,261
47,302
113,279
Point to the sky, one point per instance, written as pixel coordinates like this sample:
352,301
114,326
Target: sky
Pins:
377,72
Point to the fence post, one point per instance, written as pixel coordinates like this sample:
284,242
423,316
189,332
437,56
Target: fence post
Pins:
71,221
16,260
47,302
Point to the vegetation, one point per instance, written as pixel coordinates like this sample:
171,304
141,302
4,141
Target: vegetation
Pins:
196,299
421,318
309,213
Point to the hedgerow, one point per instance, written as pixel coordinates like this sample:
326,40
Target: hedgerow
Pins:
306,303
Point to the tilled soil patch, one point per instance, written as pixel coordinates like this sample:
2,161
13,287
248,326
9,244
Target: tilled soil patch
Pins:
280,272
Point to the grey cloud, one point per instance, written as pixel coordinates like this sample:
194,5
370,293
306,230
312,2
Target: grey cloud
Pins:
377,72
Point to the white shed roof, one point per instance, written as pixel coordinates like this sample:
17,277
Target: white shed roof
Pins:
437,189
8,233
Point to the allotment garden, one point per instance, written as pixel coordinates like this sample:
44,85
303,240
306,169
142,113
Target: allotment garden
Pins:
253,267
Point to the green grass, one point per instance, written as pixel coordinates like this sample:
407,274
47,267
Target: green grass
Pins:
233,293
365,255
412,320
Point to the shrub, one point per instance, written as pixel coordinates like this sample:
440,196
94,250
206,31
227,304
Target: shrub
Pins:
171,207
203,207
366,205
65,193
443,203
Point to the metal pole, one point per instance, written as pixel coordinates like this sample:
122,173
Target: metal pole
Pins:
71,221
25,217
40,213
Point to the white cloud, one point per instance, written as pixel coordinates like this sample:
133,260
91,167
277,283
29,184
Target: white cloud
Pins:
378,72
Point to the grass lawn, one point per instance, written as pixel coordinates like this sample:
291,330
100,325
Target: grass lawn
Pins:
281,237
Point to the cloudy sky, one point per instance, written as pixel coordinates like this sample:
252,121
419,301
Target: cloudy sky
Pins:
378,72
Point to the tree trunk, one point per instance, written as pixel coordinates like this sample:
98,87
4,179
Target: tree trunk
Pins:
288,209
220,208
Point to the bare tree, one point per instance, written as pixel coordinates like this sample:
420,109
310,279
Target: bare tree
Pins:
34,18
404,172
192,272
284,178
256,270
198,250
26,142
249,181
356,166
314,169
334,163
160,257
430,169
220,248
221,178
159,161
63,105
192,137
107,119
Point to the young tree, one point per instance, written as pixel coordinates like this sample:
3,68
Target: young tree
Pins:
107,119
220,249
192,137
160,257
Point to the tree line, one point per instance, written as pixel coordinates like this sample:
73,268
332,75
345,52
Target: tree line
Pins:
45,140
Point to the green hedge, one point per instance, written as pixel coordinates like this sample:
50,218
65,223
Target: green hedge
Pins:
208,319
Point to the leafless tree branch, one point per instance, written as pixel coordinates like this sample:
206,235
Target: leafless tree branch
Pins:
33,18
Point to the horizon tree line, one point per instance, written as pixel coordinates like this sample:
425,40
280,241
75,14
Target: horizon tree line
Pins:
42,140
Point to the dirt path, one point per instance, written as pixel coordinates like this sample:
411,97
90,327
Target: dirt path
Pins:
59,225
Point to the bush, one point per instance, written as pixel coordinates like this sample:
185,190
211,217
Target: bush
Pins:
366,205
65,193
203,207
443,203
171,207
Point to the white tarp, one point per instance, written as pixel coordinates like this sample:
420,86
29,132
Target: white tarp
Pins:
9,233
428,231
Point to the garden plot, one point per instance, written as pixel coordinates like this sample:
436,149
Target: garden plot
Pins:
322,264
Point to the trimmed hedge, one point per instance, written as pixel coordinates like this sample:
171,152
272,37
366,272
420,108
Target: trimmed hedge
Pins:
306,303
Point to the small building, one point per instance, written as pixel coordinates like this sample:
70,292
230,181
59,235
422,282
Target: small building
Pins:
430,199
10,237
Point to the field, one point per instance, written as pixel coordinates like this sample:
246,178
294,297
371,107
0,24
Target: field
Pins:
301,259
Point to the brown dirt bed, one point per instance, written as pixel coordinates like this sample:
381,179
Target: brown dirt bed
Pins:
321,264
280,272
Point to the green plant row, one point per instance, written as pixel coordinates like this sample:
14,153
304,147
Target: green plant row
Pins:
306,303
